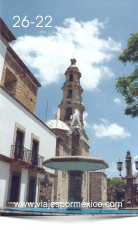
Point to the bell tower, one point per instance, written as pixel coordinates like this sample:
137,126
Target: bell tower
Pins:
71,94
71,113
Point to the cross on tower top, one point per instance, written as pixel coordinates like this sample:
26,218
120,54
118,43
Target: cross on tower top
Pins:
73,55
56,115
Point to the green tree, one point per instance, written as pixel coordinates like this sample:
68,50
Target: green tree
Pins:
119,187
128,85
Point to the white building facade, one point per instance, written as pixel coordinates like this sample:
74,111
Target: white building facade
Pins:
25,141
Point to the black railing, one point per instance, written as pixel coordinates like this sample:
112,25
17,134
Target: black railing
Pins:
17,151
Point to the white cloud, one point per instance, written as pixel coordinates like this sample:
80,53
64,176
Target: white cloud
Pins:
113,131
117,101
0,126
50,55
85,114
104,120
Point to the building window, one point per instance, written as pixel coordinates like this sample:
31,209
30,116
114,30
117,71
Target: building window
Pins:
18,153
69,93
71,77
35,146
15,187
68,113
32,189
17,149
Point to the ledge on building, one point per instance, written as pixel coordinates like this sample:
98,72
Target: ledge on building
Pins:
21,163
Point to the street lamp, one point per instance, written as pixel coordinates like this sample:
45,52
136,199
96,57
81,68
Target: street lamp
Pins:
136,164
129,191
120,166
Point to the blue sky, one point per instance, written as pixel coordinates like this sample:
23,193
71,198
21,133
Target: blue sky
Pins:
96,31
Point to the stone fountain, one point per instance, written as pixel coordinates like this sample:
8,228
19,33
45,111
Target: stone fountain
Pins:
75,165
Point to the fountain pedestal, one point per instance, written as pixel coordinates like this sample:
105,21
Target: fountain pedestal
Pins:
74,192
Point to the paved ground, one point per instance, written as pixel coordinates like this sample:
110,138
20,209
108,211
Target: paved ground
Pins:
65,212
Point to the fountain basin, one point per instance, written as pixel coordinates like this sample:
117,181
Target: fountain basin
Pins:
77,163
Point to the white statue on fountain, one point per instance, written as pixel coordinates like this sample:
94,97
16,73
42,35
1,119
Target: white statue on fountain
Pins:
76,119
75,123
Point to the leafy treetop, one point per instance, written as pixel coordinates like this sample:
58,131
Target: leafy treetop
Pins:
128,85
117,184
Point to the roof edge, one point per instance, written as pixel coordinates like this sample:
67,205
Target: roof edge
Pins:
5,32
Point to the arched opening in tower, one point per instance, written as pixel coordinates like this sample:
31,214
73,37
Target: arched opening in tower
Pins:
68,113
71,77
69,94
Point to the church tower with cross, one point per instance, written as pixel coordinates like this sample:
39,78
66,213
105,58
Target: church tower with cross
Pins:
72,92
71,102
